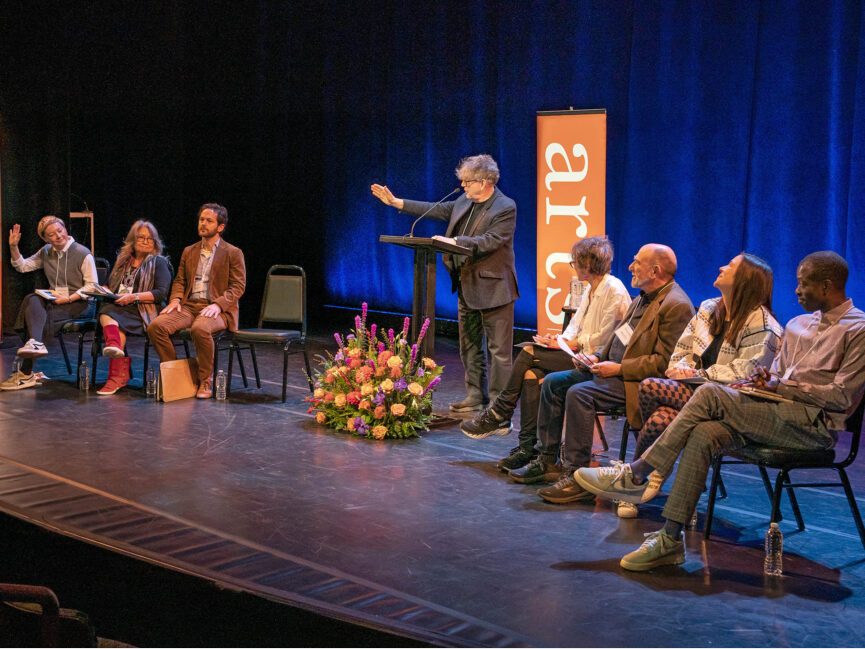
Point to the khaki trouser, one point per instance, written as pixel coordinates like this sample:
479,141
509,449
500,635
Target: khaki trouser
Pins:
202,329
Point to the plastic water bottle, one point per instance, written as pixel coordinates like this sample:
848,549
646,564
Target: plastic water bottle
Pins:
773,563
150,382
220,385
576,293
84,377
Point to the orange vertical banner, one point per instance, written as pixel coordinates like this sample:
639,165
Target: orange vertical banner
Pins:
572,182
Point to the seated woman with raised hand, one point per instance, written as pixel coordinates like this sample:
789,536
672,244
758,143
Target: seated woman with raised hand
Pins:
724,342
141,277
602,306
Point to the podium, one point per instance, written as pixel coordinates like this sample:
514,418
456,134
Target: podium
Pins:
424,293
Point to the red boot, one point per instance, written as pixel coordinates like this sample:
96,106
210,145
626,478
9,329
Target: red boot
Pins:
118,376
113,347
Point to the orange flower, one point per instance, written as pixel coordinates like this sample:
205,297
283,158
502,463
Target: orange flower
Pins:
350,424
355,363
415,388
339,400
320,417
329,379
429,363
394,361
397,409
379,432
379,412
366,404
328,397
318,394
395,372
379,372
366,389
387,386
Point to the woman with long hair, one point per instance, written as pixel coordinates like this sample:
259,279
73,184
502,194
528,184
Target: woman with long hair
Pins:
141,278
724,342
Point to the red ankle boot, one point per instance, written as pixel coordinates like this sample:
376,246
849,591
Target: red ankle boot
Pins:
113,347
118,376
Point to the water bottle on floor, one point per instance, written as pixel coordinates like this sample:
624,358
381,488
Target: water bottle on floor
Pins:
220,386
773,563
83,377
150,383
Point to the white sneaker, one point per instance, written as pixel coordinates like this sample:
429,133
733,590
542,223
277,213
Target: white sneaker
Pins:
32,348
18,381
626,509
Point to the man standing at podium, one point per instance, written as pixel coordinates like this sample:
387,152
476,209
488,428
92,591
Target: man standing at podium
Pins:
483,219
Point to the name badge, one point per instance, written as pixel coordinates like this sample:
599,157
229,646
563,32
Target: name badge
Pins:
62,291
624,333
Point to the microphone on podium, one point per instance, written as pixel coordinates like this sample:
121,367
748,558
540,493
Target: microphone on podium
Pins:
411,232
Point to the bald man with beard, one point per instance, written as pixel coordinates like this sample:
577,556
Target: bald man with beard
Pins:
640,348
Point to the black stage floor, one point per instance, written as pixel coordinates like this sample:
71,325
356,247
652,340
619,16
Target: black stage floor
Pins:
423,538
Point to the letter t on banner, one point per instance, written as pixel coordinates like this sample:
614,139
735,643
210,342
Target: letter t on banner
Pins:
572,183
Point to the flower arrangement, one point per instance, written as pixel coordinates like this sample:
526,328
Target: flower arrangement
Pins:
376,385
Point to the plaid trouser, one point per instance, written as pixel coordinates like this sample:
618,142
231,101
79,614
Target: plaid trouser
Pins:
660,402
717,418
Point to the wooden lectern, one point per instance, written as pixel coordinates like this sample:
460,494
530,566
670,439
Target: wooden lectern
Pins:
424,297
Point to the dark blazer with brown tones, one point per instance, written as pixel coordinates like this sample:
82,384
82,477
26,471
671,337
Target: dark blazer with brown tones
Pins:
227,279
652,343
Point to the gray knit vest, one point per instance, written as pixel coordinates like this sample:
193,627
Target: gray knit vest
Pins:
64,269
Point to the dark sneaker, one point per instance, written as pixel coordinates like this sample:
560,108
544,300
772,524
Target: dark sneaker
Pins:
469,404
537,470
657,550
485,424
516,460
566,490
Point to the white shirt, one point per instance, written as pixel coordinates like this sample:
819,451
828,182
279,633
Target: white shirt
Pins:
598,314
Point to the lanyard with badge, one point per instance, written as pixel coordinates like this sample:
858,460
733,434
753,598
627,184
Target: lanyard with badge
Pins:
625,332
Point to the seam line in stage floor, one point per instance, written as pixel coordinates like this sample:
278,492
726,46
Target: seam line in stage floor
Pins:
306,584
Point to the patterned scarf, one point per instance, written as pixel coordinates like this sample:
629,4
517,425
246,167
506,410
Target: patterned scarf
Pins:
144,283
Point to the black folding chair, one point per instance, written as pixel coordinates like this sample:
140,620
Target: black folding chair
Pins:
787,460
284,303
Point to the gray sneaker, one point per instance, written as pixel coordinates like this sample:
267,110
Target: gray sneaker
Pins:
32,348
611,482
657,550
18,381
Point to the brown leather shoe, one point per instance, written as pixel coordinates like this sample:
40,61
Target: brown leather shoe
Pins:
205,390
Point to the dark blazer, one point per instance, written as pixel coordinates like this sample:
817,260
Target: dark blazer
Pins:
652,343
488,278
227,279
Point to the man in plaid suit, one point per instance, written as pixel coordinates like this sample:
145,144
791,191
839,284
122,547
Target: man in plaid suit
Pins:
820,372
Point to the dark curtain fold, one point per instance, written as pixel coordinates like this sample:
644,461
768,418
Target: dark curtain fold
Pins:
732,126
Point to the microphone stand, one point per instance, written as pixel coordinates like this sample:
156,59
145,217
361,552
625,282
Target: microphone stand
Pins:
433,206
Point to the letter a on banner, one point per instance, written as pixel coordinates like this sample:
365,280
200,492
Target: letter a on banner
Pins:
572,184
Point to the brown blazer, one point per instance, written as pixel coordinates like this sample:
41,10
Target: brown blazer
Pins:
652,343
227,279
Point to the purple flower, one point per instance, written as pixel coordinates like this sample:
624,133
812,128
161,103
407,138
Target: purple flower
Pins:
432,384
350,337
357,324
423,331
400,385
379,397
413,355
405,324
338,339
390,336
381,347
372,331
420,371
339,357
360,426
371,363
363,312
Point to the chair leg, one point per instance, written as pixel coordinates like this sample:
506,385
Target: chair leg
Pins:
713,490
284,370
146,355
240,363
854,508
623,450
231,348
794,503
186,348
95,347
65,353
722,488
308,371
770,490
255,365
776,497
600,428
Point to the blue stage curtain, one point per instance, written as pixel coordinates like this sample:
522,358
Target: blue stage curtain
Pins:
731,126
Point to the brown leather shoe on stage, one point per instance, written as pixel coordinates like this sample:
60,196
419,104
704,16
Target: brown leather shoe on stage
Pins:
205,390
